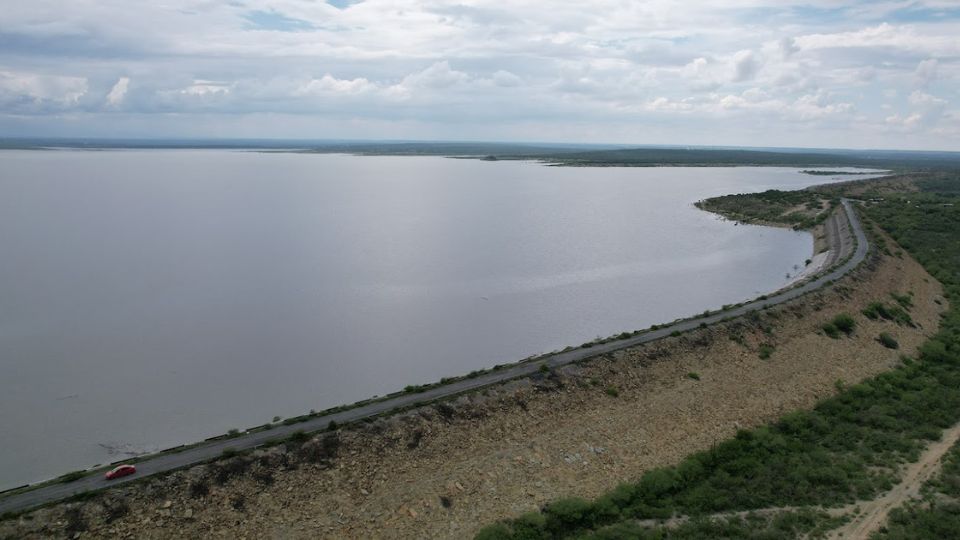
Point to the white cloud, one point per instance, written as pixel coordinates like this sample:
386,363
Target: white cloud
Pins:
603,67
745,66
926,72
206,88
118,92
927,112
329,85
788,47
39,88
438,77
922,99
505,78
884,35
818,106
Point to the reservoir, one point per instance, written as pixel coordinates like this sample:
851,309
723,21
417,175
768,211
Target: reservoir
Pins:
150,298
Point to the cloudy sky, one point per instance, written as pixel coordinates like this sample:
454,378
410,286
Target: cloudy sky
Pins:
819,73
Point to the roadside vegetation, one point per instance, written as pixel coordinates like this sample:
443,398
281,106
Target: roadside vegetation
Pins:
848,448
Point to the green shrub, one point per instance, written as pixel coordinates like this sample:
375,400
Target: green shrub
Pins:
694,375
888,341
875,310
612,391
497,531
765,351
568,514
298,436
844,323
71,477
905,300
879,310
831,330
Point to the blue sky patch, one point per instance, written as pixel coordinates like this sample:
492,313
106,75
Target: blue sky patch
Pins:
343,4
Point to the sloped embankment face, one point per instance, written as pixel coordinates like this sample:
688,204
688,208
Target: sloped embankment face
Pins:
445,471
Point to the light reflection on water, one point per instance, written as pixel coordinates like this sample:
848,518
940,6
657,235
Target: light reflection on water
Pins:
153,298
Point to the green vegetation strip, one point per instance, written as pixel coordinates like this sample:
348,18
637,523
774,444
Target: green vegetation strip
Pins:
774,206
846,449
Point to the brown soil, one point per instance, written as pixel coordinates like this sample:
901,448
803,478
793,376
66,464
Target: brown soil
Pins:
444,472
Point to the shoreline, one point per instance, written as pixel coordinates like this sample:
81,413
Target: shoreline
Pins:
445,470
24,497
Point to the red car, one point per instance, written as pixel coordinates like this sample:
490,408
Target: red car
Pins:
122,470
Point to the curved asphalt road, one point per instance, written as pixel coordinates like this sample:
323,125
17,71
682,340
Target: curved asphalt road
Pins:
212,449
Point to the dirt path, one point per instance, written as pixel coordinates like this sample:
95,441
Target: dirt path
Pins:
680,520
873,514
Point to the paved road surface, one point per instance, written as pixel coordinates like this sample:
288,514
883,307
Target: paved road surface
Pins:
212,449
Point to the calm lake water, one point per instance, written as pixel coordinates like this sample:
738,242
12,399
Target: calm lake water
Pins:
153,298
